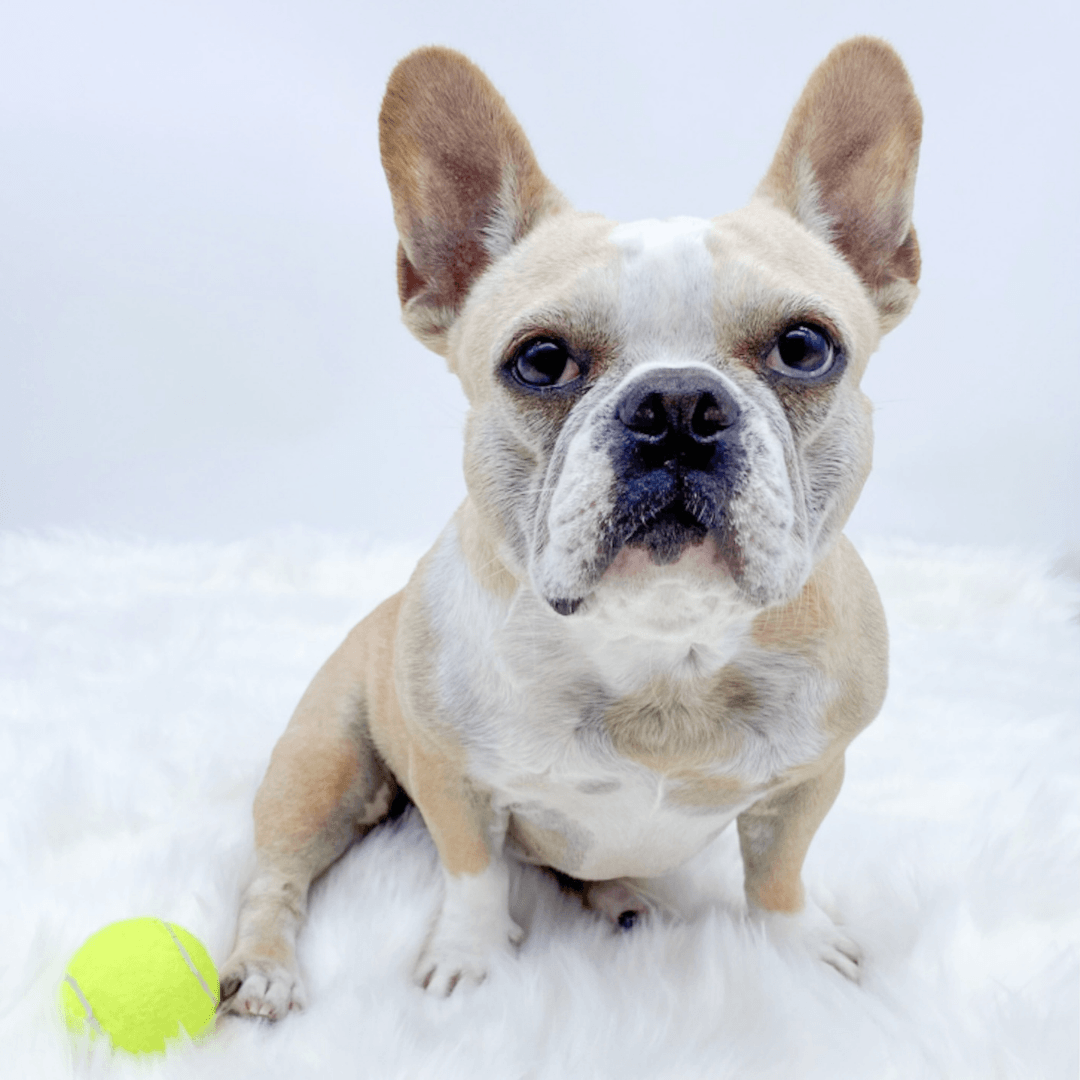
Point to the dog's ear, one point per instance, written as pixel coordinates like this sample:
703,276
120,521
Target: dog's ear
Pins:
463,180
846,168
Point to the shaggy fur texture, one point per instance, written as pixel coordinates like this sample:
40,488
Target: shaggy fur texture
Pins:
142,687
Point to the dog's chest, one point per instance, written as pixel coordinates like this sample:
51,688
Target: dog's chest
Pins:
602,785
605,775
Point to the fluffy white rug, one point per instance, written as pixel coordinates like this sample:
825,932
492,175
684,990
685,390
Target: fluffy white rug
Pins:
143,685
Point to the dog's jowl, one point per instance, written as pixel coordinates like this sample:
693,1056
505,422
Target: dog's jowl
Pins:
643,623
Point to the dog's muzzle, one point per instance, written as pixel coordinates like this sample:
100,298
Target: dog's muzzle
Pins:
677,457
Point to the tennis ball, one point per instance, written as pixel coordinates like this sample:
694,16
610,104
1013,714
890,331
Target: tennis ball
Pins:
137,982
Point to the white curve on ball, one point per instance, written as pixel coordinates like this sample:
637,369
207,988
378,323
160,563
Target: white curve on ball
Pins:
190,963
91,1019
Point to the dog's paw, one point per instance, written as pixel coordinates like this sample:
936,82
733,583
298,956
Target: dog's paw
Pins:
459,957
619,903
260,987
812,930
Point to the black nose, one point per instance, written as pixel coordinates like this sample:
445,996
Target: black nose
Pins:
678,414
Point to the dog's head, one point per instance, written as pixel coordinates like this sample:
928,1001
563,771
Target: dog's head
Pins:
664,398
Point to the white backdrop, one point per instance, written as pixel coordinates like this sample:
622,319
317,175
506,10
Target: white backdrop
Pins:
199,332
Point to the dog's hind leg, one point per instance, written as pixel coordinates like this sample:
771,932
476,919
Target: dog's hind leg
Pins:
325,787
618,901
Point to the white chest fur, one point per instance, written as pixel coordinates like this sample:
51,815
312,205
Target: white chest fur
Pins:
614,824
532,696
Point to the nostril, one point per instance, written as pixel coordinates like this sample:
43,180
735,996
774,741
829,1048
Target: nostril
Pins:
645,416
711,417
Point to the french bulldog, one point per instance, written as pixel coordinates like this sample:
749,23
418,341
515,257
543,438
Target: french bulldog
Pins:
643,622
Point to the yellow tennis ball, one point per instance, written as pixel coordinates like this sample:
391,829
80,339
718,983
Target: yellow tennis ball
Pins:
138,982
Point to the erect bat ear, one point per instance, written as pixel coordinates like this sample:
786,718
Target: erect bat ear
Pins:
463,180
846,168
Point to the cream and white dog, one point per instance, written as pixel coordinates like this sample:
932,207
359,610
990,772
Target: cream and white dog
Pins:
643,622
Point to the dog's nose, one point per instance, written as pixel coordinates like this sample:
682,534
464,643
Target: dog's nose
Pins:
678,413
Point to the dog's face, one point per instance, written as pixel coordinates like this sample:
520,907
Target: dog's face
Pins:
665,399
659,403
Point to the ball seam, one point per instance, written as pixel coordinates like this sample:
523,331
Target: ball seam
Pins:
191,964
91,1019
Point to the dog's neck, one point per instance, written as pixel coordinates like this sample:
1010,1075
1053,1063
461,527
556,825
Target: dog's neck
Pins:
644,622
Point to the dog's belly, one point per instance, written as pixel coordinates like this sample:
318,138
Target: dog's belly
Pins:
618,826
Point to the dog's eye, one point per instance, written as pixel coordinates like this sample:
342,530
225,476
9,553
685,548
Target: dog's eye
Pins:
801,351
545,362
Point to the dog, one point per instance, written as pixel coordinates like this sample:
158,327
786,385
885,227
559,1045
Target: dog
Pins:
644,621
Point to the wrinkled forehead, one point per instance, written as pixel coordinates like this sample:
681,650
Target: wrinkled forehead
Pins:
691,289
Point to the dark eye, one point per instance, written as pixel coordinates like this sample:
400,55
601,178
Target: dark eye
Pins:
801,351
544,362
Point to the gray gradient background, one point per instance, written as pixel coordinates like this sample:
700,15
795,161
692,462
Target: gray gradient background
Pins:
199,332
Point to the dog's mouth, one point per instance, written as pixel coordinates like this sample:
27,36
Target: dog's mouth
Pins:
666,534
663,532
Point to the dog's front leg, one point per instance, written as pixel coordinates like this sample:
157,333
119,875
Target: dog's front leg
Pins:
474,923
326,786
774,835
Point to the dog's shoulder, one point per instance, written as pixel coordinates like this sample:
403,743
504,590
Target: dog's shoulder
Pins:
837,621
